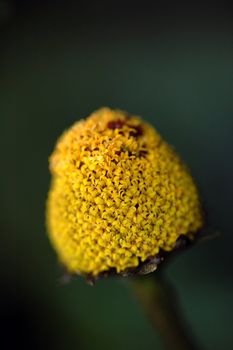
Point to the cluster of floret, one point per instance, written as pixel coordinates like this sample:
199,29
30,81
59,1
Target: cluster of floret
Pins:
119,194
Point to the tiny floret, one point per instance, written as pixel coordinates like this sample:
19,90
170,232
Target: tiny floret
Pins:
119,195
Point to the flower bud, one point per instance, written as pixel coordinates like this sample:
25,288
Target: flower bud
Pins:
119,196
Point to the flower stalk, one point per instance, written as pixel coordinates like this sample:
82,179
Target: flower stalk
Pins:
159,301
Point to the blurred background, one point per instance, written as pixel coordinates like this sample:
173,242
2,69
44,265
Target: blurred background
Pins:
59,61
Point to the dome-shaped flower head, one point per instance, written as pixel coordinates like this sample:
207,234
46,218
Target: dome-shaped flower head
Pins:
119,195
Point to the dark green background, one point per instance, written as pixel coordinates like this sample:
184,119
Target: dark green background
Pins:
58,63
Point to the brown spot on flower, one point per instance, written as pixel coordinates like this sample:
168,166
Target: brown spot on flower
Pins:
116,124
80,165
142,153
137,131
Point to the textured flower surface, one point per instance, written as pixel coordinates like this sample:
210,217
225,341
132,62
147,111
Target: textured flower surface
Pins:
119,195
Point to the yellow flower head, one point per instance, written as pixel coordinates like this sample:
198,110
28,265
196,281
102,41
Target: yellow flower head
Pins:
119,195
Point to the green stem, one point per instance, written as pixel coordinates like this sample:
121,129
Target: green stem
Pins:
160,304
